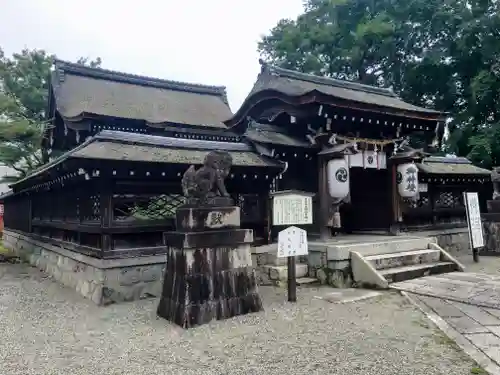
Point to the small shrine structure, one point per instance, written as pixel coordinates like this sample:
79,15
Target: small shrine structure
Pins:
386,180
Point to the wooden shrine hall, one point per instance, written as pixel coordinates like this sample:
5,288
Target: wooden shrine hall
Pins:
365,152
124,142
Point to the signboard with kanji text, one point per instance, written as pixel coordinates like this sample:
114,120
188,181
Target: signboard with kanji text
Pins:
471,201
292,208
292,241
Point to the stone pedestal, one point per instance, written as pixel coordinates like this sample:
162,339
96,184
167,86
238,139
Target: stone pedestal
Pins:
209,273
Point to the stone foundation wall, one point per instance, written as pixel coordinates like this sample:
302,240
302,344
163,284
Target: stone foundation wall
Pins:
454,240
491,232
102,281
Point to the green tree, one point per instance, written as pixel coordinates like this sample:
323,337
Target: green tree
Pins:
442,55
24,79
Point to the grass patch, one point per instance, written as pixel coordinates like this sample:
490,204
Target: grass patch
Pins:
478,371
8,255
423,322
4,250
442,339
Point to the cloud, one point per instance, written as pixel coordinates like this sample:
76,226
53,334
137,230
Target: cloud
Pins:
210,42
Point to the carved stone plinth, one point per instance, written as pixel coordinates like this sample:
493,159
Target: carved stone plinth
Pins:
209,273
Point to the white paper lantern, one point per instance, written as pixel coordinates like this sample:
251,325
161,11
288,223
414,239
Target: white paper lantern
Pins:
407,180
338,178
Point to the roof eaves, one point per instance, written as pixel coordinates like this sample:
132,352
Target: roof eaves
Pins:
332,82
161,141
54,162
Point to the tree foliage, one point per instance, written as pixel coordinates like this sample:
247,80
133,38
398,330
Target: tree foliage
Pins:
443,55
24,81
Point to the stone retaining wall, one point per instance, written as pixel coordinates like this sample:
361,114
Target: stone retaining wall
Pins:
102,281
454,240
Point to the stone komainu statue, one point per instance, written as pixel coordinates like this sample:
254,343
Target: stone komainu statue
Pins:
208,181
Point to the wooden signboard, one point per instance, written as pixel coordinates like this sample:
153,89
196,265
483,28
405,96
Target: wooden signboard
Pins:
292,208
474,222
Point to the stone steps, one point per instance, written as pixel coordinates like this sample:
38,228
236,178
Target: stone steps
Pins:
394,275
403,258
341,251
379,270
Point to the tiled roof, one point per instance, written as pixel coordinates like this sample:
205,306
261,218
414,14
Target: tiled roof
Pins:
81,91
295,84
447,165
132,147
271,134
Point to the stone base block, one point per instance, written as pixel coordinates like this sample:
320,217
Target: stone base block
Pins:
101,281
337,278
193,219
194,314
204,284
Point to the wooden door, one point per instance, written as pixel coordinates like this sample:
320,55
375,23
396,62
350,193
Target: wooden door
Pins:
370,206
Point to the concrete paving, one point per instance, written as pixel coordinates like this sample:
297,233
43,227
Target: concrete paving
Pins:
467,287
466,306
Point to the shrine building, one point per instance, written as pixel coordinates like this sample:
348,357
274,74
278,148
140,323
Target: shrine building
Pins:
119,144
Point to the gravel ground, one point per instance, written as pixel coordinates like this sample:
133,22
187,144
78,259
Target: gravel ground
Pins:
47,329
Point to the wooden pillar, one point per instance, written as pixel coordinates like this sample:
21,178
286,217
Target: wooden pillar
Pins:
323,201
106,212
395,202
432,203
268,212
30,212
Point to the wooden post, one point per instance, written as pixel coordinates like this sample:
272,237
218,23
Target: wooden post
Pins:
106,212
323,201
394,225
292,281
30,212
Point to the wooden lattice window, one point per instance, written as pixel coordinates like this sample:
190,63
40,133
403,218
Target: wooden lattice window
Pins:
128,207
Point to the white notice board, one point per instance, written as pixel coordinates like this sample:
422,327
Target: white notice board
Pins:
292,241
292,209
475,225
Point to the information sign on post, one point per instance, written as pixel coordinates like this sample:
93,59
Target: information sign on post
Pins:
475,224
292,208
292,241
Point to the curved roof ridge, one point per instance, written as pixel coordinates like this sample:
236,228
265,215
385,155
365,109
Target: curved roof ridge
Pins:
328,81
134,79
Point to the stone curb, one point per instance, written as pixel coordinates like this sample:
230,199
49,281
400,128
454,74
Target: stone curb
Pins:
474,353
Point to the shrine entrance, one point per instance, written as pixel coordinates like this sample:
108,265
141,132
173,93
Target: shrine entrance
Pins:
370,204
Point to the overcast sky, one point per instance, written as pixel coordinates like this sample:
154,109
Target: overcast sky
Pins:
211,42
